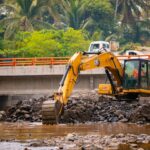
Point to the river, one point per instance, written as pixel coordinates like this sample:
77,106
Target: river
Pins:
15,135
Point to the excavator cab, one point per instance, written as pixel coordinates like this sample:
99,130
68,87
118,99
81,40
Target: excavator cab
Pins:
136,74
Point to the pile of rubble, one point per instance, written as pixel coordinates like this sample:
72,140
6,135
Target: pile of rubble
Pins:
27,110
94,108
83,108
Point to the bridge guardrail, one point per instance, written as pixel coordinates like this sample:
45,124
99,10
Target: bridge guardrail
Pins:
33,61
51,60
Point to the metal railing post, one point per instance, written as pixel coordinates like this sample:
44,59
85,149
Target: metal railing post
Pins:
14,61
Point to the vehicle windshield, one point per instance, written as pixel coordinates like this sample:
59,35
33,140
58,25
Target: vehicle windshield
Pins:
94,47
131,74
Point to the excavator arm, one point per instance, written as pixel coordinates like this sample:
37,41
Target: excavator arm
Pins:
52,109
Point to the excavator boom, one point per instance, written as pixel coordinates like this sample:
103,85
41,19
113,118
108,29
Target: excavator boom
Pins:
78,62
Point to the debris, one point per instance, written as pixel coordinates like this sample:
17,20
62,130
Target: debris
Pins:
83,108
2,115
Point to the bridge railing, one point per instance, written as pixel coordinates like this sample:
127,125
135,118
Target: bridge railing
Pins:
51,60
133,57
33,61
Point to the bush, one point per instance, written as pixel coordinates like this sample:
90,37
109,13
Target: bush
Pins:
47,43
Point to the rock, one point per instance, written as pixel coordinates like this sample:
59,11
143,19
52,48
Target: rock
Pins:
27,149
38,143
71,137
120,135
146,141
141,114
134,145
27,116
83,108
124,120
69,146
118,112
140,148
2,115
121,116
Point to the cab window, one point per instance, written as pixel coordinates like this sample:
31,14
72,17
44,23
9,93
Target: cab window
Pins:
131,74
94,47
105,46
144,75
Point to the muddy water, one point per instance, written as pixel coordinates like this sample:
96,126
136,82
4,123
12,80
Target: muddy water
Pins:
27,131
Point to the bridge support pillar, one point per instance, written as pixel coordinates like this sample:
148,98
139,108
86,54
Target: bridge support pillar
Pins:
5,102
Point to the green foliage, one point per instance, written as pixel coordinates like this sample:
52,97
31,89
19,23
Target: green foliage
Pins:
131,10
73,41
25,16
1,44
74,14
101,13
130,46
47,43
35,28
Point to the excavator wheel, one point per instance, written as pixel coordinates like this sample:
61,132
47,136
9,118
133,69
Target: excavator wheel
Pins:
50,112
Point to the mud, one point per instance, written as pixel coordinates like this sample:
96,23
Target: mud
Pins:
81,108
99,136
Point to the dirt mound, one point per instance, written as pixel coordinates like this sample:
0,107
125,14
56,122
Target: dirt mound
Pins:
84,108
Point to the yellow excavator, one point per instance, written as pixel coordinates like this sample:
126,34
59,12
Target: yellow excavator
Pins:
127,81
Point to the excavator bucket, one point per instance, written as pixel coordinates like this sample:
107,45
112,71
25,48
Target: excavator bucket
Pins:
50,111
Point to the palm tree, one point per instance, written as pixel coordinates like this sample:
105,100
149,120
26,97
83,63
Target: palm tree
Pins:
26,16
73,14
52,6
142,31
130,10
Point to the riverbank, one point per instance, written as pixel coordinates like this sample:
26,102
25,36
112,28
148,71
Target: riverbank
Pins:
82,108
98,136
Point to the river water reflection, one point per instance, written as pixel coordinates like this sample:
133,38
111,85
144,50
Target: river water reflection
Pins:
27,131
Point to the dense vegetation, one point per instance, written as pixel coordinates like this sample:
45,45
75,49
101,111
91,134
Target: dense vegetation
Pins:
60,27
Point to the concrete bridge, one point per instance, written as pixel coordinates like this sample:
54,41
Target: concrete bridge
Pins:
32,76
41,80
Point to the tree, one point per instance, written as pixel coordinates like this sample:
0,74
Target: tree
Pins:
52,43
130,10
142,31
73,14
101,13
26,16
52,10
74,41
